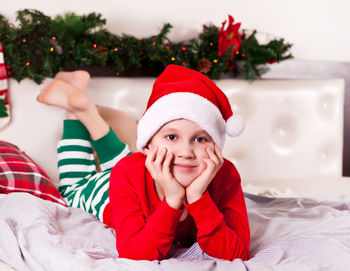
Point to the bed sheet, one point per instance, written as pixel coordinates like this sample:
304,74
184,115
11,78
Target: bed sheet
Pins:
286,234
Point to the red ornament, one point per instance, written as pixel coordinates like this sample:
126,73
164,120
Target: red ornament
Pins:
229,39
271,61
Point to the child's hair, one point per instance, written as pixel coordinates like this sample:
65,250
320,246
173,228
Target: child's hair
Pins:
182,93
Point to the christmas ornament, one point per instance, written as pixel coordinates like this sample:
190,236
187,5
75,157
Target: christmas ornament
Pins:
204,65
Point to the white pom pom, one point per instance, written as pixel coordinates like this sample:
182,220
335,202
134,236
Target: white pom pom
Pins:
235,125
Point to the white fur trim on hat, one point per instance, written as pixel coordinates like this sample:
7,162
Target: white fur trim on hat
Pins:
181,105
235,125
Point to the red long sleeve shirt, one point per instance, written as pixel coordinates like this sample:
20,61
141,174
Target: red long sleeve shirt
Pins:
147,227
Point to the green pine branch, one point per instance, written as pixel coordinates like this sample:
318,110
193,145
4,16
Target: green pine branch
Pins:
40,46
3,109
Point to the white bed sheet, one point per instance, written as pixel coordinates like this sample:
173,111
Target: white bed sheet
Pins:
286,234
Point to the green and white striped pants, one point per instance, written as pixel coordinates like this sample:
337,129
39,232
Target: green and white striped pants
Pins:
81,184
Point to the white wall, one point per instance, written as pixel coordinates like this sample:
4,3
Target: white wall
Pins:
319,29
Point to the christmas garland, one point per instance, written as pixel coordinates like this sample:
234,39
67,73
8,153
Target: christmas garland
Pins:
40,46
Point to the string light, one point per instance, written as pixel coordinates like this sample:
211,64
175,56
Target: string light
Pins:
115,49
117,73
183,48
94,45
173,58
154,43
53,38
51,49
27,63
211,44
215,61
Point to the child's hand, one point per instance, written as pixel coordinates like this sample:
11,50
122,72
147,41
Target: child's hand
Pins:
158,164
198,187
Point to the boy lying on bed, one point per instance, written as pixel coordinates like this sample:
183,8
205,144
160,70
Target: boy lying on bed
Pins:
178,189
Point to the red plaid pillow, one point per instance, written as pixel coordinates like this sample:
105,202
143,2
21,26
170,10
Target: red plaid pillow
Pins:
19,173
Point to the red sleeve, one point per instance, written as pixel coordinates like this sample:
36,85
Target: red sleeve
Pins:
223,228
139,237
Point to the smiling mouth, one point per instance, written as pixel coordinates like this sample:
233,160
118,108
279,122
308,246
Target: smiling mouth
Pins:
184,166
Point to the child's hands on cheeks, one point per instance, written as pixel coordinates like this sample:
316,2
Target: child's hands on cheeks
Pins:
158,164
198,187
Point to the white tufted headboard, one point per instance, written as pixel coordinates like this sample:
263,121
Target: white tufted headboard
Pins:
294,128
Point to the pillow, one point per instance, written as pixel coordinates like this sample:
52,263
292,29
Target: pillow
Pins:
19,173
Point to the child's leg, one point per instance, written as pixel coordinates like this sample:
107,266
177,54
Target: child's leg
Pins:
75,161
122,124
80,184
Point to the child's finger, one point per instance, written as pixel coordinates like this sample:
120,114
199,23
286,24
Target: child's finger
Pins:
213,156
219,154
160,157
150,158
167,162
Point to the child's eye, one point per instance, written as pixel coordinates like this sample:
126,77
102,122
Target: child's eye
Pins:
171,137
200,139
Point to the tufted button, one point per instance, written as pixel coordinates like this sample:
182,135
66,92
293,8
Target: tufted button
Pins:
326,157
284,133
326,106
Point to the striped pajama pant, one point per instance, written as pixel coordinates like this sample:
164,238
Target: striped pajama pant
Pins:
82,184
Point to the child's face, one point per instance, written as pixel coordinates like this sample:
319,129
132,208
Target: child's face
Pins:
188,142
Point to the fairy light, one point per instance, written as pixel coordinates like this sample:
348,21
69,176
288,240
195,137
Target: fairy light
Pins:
215,61
154,43
183,48
115,49
53,38
211,44
51,49
173,59
94,45
27,63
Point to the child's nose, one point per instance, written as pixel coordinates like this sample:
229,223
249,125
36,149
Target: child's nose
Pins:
185,150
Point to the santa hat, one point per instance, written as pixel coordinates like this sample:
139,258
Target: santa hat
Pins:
182,93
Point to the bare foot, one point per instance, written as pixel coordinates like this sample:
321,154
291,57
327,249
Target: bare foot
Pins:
79,78
65,95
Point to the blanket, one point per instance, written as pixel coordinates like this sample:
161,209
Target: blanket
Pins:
286,234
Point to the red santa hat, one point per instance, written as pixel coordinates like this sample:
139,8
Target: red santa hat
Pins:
182,93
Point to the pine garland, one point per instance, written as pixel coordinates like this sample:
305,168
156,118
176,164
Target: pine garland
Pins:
3,109
40,46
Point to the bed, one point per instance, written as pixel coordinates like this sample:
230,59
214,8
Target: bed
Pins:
290,158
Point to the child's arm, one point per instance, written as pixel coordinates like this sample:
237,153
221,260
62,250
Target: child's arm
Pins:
198,187
223,228
158,164
140,234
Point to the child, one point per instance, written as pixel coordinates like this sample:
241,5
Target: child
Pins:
178,189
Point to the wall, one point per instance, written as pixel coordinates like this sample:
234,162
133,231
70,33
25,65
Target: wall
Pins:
319,29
